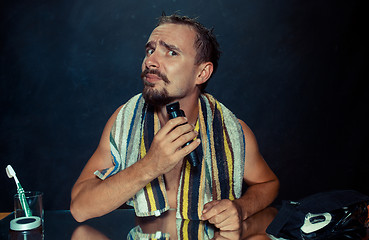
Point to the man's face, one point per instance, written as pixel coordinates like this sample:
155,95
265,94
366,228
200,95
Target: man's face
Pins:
168,69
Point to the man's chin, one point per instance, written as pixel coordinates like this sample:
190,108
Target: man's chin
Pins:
156,98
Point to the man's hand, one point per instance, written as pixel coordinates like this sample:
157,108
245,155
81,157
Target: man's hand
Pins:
166,148
224,214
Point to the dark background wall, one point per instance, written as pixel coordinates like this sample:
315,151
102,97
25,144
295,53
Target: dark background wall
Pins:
295,71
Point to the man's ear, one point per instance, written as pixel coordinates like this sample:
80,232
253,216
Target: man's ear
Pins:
205,71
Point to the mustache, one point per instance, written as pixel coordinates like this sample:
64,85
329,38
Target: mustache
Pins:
156,72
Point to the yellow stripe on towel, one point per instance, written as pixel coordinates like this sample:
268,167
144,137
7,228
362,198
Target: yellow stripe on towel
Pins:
186,188
151,197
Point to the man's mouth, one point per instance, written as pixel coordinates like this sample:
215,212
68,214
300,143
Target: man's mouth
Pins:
152,78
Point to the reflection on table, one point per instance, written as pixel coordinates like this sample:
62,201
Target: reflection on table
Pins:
123,224
168,227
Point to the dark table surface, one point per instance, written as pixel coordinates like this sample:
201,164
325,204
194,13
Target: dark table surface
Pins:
123,224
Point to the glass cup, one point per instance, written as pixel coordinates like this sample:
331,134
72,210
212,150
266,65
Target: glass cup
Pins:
34,200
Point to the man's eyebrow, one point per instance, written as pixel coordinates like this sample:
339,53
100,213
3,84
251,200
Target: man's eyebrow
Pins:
169,46
149,45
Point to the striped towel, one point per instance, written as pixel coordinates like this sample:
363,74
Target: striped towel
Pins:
218,176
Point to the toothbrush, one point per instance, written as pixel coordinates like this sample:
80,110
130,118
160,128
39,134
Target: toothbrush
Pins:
11,174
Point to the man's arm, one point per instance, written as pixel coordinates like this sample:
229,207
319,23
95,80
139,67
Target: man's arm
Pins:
92,197
263,186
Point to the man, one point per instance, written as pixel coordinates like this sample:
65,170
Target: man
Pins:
142,153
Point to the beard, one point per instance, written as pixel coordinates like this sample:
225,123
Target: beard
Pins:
153,96
156,97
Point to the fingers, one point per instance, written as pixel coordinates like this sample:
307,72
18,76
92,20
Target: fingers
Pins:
167,147
224,214
210,210
209,205
189,148
182,134
172,124
178,132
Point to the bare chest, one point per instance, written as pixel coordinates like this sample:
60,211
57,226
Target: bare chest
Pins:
172,184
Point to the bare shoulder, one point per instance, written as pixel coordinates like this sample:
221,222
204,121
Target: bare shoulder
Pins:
256,169
104,141
251,143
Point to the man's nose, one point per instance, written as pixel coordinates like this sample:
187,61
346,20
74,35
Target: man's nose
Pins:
152,61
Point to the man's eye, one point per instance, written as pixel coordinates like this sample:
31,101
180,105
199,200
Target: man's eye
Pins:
172,53
150,51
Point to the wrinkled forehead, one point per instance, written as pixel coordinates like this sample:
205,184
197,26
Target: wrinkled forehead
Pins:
180,35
